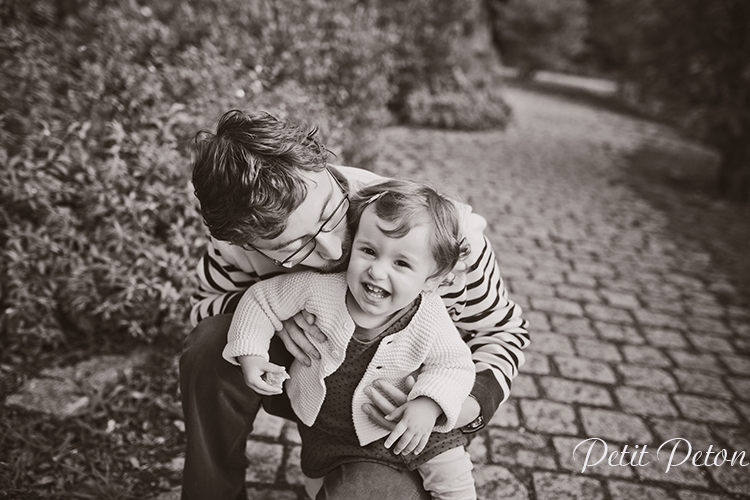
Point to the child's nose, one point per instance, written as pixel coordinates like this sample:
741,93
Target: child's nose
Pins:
377,270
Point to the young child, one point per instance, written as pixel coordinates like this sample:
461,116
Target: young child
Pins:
383,321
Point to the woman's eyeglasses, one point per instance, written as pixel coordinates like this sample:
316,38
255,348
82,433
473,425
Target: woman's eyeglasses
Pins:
309,245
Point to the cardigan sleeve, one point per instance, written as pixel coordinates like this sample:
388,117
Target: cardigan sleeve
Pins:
262,309
447,374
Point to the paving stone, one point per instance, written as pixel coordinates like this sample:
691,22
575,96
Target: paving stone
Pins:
701,383
557,306
494,482
653,319
62,391
563,390
645,355
577,327
695,495
551,343
531,289
584,369
621,490
735,438
478,448
271,494
526,449
293,472
597,269
537,320
661,337
615,426
608,314
593,454
536,363
741,326
690,361
743,409
704,409
546,416
596,349
547,277
664,305
716,327
580,279
698,435
620,299
737,364
711,310
578,294
550,486
524,387
642,376
61,398
290,434
665,468
264,461
506,415
642,402
733,478
618,333
266,425
707,343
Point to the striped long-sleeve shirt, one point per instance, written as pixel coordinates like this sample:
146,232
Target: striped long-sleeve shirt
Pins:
477,301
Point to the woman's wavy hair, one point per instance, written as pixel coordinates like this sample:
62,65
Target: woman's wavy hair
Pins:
408,204
247,175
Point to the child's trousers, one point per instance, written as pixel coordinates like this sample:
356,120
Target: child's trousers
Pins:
446,477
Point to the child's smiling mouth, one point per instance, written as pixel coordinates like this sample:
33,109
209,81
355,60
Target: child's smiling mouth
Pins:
375,291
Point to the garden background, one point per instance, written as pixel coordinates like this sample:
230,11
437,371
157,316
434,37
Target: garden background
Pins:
99,100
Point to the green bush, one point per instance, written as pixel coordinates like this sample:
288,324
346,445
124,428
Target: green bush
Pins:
99,229
465,109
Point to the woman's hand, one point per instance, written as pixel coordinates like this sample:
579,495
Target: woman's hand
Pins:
292,334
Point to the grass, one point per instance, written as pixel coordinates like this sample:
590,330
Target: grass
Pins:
124,447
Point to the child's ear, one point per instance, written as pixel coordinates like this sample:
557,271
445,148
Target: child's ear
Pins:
433,283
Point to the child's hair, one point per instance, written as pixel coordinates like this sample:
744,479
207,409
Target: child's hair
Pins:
248,175
410,204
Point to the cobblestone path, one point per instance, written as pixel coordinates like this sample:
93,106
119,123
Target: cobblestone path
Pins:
629,342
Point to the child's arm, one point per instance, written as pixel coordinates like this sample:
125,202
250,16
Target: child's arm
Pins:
262,376
418,418
261,311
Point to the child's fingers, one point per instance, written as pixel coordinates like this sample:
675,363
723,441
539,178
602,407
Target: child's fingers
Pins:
395,434
422,443
408,445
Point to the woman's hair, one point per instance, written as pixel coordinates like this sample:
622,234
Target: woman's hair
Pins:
408,204
247,175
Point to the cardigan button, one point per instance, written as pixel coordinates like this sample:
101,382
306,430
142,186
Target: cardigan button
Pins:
335,353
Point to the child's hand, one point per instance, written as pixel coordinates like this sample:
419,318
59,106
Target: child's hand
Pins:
253,369
418,418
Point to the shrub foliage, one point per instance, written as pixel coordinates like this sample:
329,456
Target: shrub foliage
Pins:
99,230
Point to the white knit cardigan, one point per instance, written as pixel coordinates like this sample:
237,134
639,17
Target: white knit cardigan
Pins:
429,344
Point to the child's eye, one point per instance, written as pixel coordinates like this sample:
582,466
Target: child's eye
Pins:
402,263
367,251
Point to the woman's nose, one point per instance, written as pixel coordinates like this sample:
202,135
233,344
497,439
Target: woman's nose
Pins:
329,246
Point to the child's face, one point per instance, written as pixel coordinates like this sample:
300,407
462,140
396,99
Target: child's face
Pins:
386,274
